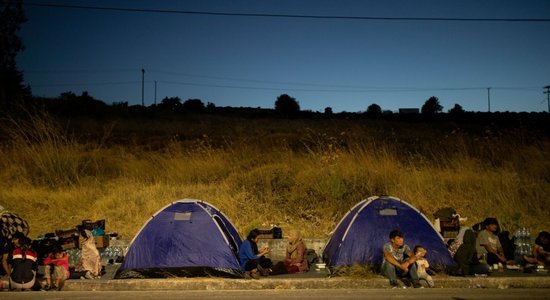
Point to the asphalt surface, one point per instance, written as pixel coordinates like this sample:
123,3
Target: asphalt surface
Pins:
328,294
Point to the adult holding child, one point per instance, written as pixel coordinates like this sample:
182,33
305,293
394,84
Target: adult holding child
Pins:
399,260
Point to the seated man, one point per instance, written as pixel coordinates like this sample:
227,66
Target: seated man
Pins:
399,260
488,244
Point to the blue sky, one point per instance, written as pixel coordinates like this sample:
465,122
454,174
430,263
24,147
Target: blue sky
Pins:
344,64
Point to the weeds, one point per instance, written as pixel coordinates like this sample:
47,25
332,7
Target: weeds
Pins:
264,173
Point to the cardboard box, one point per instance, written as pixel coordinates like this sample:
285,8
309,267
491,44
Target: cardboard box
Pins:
101,241
70,243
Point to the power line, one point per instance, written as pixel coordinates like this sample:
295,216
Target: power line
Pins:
356,89
83,84
332,17
59,71
341,88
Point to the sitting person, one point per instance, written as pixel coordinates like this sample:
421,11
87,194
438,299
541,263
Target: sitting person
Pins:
488,244
252,260
541,248
422,265
23,266
399,260
296,260
56,265
7,251
90,261
467,258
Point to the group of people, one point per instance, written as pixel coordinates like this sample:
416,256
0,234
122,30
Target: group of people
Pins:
254,263
20,263
477,254
490,248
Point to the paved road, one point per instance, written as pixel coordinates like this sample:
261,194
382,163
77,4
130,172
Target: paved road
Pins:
452,294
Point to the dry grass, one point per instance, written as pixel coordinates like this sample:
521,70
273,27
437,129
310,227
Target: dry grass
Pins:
290,173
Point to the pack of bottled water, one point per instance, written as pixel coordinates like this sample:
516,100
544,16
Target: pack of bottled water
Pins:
111,254
523,241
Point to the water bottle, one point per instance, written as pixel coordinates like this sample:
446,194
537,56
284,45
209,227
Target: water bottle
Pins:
483,258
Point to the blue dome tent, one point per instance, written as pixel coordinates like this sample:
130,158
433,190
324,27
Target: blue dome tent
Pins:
362,232
184,239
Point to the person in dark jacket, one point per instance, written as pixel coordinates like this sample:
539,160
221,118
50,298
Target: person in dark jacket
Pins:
252,260
23,265
467,258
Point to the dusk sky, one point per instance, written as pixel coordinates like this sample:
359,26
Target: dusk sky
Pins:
343,63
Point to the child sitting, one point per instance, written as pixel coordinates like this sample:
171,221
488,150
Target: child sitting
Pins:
56,267
422,265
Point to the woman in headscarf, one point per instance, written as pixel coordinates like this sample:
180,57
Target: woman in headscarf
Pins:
296,260
90,260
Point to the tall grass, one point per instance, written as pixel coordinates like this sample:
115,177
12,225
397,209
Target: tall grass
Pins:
304,174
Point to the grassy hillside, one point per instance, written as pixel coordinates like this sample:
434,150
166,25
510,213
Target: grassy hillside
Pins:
259,172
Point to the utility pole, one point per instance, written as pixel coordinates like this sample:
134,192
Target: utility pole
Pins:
142,87
489,98
155,93
548,96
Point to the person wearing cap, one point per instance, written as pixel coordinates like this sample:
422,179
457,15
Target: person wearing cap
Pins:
488,243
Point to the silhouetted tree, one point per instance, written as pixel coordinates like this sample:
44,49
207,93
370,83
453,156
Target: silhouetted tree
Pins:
193,105
11,80
171,103
328,112
431,106
210,107
374,110
67,96
457,109
287,105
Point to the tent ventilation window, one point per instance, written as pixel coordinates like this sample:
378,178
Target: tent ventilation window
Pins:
388,212
182,216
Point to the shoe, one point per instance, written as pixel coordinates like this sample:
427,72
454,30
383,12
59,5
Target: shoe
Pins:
46,288
88,275
394,285
417,285
263,272
246,275
255,275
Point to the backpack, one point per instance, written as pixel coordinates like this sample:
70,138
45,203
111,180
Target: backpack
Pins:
311,257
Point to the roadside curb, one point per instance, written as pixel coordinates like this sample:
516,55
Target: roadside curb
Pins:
291,283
